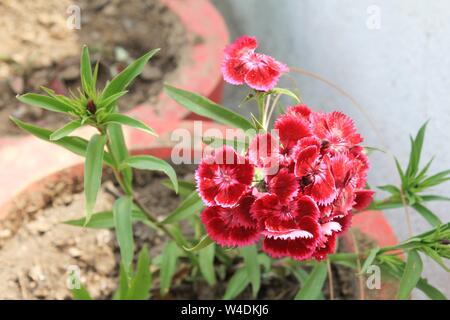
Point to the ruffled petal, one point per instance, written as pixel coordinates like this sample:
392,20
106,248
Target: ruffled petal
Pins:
291,129
284,185
231,226
241,46
363,198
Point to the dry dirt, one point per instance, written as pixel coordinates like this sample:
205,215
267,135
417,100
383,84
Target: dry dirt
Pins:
37,250
38,49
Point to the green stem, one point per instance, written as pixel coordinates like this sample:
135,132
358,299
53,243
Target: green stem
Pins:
129,191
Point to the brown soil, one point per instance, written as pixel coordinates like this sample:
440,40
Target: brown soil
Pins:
36,250
38,49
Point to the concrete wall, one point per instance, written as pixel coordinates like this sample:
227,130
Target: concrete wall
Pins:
393,56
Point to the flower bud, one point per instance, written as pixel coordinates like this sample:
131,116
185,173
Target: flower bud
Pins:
91,107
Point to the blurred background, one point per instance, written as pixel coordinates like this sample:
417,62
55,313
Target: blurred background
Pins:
390,55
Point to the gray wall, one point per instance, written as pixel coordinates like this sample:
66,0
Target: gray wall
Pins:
398,72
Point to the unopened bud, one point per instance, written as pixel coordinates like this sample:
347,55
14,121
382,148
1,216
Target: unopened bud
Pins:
92,108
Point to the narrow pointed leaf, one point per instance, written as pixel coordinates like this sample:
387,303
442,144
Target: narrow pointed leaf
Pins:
93,171
185,188
203,243
76,145
286,92
152,163
124,78
237,283
250,254
168,266
119,150
411,275
142,280
207,108
124,230
369,260
206,264
122,290
431,292
86,71
313,285
103,220
427,214
45,102
189,206
122,119
66,130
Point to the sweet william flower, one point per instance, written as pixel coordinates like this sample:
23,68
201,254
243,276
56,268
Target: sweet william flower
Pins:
223,178
242,64
299,209
232,226
290,229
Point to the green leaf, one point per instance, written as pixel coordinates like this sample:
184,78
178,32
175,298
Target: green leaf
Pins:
431,218
122,290
430,197
369,260
206,264
203,243
93,171
122,119
169,257
250,255
400,171
76,145
416,150
192,204
79,293
111,100
152,163
124,78
313,285
286,92
45,102
124,230
411,275
86,72
103,220
390,188
119,150
185,188
65,130
237,283
142,281
436,179
205,107
431,292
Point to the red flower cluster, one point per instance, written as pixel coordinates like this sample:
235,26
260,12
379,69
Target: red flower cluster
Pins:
243,65
305,204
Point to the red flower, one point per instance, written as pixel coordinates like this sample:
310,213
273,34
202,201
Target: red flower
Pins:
224,178
290,130
363,198
330,230
313,169
231,226
290,229
336,129
300,208
264,153
300,111
242,65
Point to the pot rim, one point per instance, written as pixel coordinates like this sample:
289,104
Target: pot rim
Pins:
26,159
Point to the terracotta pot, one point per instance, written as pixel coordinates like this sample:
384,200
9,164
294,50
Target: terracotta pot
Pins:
24,160
372,224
